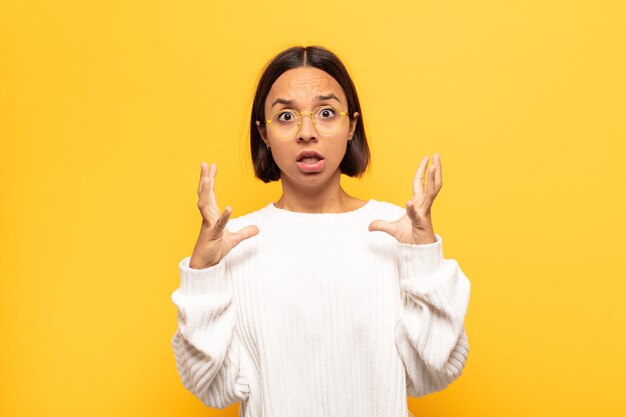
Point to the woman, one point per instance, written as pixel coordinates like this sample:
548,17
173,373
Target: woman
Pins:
320,304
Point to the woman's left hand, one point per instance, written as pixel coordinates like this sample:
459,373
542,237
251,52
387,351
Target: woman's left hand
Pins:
416,227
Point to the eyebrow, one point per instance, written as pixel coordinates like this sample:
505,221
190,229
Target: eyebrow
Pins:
328,97
282,101
319,98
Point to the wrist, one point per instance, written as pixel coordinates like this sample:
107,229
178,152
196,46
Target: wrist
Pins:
195,263
424,239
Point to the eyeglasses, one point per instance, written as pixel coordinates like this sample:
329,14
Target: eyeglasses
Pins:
286,123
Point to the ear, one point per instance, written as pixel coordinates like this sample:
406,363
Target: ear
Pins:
262,131
355,118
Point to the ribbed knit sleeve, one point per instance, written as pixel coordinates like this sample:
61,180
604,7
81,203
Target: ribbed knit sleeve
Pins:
206,347
430,332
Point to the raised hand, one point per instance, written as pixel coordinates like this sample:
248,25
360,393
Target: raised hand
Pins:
215,240
416,227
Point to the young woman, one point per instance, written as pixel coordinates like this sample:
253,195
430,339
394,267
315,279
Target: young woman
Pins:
320,304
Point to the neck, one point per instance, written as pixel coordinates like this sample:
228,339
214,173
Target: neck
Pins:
320,198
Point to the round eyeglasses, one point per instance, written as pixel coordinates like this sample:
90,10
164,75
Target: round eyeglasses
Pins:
286,123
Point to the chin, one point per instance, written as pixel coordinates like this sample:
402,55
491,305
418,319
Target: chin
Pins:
311,178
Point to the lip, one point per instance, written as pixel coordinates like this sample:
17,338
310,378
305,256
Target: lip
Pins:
308,153
308,168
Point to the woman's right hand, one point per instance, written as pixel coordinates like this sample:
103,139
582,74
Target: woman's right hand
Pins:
215,240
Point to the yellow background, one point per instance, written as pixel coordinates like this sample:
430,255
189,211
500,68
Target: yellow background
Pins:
108,108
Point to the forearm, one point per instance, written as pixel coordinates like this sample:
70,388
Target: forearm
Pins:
205,347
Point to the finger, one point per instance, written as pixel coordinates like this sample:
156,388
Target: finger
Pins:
245,233
438,179
209,190
418,180
206,198
430,193
212,176
203,194
411,211
207,209
220,224
203,173
381,226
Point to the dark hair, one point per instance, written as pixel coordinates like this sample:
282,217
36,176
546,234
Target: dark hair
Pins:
357,156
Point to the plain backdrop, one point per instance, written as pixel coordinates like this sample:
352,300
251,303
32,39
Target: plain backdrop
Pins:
109,107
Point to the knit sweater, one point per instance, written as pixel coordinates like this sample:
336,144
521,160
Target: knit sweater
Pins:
318,317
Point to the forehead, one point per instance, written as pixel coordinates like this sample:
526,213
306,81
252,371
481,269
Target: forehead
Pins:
302,85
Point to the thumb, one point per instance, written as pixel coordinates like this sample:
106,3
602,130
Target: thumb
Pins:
381,226
245,233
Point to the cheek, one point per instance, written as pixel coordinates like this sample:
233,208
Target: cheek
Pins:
281,154
337,151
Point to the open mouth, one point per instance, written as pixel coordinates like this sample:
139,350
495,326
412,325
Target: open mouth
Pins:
309,156
310,159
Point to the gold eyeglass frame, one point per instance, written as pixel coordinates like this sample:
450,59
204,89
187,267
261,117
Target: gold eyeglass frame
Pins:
309,113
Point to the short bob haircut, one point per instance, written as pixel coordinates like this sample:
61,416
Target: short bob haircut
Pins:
357,156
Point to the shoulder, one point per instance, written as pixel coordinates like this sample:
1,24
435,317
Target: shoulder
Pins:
386,210
251,218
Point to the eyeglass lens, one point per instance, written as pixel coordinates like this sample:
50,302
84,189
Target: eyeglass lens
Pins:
286,123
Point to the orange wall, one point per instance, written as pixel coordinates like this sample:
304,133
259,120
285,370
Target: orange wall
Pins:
108,108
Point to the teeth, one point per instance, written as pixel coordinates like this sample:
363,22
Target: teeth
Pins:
310,160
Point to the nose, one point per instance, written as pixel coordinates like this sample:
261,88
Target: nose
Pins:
307,129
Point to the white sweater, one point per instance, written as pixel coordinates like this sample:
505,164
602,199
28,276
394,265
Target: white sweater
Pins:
318,317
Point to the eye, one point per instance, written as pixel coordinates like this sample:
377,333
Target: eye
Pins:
327,113
286,116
